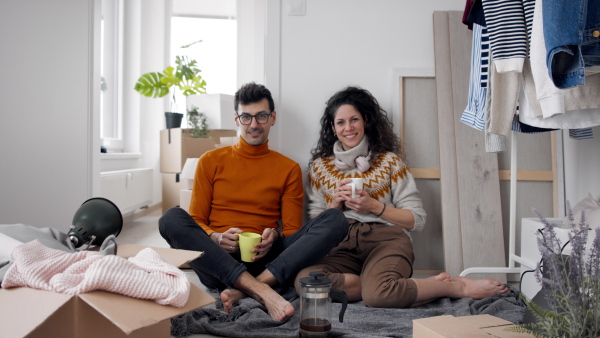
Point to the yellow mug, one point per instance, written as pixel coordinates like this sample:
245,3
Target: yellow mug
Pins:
247,241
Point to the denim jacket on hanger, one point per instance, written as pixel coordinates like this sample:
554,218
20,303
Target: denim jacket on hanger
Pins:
572,37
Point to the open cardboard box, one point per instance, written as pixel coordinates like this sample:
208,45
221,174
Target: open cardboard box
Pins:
177,145
26,312
467,326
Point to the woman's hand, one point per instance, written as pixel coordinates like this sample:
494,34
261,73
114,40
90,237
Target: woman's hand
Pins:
363,203
227,240
269,236
341,194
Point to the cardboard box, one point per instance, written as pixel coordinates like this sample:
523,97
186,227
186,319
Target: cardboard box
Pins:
468,326
218,109
26,312
176,146
172,184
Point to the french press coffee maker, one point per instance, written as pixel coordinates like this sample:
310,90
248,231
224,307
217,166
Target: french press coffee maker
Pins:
315,305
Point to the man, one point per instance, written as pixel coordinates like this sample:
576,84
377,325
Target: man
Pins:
249,188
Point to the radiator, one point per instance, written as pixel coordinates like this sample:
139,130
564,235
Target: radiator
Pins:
128,189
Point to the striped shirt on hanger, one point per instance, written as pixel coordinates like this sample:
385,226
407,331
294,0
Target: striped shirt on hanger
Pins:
505,21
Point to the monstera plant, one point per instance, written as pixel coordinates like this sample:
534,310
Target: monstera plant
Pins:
185,76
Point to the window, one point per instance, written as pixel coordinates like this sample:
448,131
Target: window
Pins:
216,54
213,22
110,69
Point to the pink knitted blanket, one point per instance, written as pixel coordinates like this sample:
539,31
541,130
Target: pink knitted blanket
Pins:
146,275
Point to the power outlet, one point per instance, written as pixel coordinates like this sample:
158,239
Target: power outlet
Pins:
296,7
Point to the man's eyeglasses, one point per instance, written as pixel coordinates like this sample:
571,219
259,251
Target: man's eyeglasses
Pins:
261,118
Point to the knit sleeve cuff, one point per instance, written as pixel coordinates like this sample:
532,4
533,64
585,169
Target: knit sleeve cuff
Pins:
509,65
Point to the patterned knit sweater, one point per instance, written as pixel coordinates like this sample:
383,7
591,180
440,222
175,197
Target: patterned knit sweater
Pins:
388,180
247,187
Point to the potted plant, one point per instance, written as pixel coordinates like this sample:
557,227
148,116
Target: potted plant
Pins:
567,305
197,123
185,76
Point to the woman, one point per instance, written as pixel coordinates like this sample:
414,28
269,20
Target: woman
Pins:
374,262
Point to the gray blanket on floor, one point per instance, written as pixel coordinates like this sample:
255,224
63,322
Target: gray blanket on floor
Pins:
250,318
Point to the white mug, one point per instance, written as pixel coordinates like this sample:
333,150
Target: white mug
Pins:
356,184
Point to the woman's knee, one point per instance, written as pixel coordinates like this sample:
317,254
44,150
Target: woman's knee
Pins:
303,273
306,273
393,294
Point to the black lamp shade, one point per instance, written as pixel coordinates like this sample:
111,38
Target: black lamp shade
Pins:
97,217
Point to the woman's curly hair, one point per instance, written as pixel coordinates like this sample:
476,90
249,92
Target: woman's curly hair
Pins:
378,127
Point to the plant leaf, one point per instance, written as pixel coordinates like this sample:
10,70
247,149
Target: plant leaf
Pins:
170,78
150,85
196,85
190,44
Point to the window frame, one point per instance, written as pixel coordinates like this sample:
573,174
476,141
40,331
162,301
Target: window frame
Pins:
111,72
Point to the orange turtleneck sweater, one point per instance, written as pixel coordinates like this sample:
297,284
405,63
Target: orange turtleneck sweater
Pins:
247,187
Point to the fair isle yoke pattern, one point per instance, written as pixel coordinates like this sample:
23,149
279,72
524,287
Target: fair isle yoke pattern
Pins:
388,181
376,181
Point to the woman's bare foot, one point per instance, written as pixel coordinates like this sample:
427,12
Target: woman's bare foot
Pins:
230,298
442,277
480,288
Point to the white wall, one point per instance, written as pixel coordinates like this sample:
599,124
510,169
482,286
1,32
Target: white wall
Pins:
346,42
251,44
582,167
49,93
47,168
146,41
359,42
47,141
154,57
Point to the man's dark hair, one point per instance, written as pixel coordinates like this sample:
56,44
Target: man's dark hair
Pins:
251,93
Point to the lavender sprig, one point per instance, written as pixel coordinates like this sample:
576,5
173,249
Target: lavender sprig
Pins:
572,283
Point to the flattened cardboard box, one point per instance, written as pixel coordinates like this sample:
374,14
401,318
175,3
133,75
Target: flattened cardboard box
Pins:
26,312
467,326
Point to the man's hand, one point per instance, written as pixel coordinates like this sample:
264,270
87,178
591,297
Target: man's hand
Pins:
227,240
269,236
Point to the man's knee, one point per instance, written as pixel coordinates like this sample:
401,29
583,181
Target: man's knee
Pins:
335,220
168,222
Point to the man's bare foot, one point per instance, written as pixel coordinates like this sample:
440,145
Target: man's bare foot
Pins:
230,298
480,288
442,277
278,307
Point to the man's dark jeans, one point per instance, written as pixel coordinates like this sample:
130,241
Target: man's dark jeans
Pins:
219,269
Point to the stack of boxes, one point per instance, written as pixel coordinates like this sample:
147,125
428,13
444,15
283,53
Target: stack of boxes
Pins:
176,146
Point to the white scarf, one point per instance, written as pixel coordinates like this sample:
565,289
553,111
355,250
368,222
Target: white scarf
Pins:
358,156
